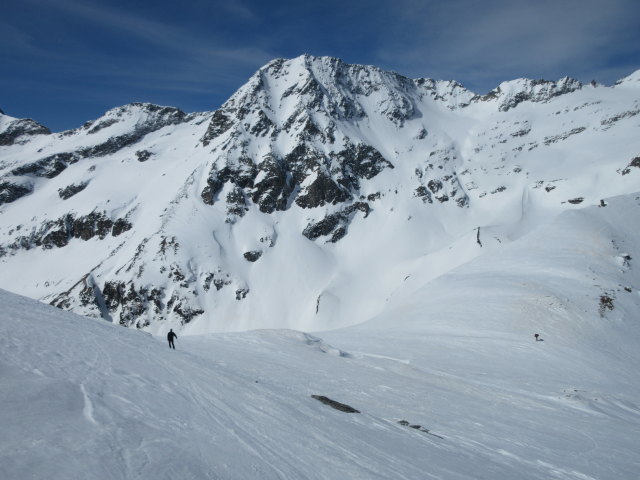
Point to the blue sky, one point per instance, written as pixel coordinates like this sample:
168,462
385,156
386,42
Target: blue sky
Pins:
63,62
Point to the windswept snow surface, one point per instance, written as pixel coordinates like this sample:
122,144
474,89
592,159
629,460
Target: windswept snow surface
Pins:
84,398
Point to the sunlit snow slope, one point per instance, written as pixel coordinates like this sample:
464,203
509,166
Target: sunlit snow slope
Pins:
305,200
83,398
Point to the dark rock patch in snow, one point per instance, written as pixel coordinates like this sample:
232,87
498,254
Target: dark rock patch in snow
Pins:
253,255
337,405
335,224
71,190
48,167
143,155
58,233
420,428
633,163
606,303
10,191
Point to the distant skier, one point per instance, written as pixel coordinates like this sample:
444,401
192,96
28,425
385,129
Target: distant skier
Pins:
537,335
170,337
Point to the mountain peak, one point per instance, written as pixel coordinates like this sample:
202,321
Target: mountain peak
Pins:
511,93
326,174
632,80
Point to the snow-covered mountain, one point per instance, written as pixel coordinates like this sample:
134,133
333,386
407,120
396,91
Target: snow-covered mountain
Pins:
311,199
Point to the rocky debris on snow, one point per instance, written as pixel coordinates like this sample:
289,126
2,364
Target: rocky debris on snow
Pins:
337,405
606,303
610,121
624,260
563,136
576,201
424,194
420,428
524,129
218,280
442,186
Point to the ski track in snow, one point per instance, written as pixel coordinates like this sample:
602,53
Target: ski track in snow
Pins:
141,401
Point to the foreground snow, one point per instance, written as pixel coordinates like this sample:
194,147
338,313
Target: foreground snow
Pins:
83,398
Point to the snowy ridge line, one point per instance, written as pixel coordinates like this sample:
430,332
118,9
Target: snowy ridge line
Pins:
318,194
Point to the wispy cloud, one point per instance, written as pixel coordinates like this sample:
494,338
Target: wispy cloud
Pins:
484,41
160,34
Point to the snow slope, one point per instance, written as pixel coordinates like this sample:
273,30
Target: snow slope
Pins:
304,201
83,398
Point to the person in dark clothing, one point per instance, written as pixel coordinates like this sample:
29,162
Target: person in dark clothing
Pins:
170,337
537,335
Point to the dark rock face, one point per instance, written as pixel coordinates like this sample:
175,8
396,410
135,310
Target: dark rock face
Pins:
120,226
220,123
59,232
336,178
218,279
10,192
19,129
424,194
71,190
241,293
48,167
143,155
241,173
335,224
307,175
186,313
237,202
321,191
253,255
132,302
272,192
